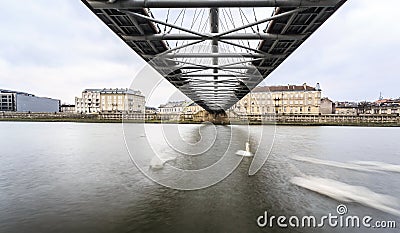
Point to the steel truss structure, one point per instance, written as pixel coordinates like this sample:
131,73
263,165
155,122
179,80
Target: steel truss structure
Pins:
219,64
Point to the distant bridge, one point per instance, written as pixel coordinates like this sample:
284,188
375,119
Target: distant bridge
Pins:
214,51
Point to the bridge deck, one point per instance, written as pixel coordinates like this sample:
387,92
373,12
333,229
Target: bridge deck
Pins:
231,79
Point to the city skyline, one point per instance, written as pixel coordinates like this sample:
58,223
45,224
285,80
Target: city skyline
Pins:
58,48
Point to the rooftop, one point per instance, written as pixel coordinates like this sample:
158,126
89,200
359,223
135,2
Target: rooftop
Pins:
23,93
173,104
16,92
346,104
288,87
114,91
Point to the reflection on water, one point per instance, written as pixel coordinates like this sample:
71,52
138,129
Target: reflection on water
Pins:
67,177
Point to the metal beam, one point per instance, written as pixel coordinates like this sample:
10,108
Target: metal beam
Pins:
242,67
219,81
262,21
211,88
208,94
214,74
224,66
202,90
131,4
244,47
220,55
119,28
241,62
209,97
220,93
236,80
162,22
205,87
214,28
212,36
180,47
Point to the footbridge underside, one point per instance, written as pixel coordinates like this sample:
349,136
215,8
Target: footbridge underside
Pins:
214,51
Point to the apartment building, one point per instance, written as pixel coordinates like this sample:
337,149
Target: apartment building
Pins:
192,108
110,100
89,102
67,108
290,99
173,107
15,101
122,100
379,107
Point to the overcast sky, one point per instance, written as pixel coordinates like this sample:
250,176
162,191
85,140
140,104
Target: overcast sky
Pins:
58,48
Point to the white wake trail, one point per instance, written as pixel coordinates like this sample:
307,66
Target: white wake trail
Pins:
348,193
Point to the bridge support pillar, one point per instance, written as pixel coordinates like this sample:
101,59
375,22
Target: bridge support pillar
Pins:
220,118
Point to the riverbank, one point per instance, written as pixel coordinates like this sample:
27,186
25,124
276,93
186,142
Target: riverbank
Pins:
296,120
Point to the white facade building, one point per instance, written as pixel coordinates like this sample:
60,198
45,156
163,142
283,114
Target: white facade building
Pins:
110,100
89,102
122,100
176,107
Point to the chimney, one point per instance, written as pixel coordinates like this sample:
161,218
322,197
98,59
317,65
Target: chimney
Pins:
317,87
305,86
288,86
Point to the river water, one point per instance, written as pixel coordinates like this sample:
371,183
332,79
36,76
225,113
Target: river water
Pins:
77,177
